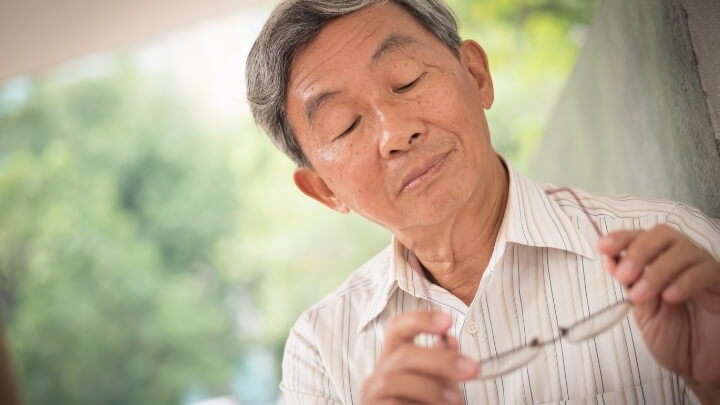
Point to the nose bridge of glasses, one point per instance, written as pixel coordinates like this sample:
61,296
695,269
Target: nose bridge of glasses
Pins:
506,362
579,331
512,359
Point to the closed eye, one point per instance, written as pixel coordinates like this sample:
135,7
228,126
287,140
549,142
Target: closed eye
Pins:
409,85
351,127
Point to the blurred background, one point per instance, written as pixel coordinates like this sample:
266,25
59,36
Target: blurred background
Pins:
139,204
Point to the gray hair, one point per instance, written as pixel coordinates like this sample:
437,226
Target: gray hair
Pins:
295,23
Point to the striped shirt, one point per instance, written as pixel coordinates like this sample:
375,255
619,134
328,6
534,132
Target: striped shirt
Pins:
544,273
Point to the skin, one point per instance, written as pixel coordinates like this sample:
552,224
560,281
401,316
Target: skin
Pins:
417,112
676,301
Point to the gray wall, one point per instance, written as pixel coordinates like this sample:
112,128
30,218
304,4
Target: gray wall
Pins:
638,112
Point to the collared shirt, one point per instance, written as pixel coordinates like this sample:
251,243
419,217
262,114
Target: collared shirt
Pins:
544,274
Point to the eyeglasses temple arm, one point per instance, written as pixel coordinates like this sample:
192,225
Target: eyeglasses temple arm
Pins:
584,210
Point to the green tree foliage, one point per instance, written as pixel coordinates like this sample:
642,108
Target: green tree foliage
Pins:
110,202
144,249
532,46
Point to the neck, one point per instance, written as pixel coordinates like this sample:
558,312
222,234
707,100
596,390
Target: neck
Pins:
457,251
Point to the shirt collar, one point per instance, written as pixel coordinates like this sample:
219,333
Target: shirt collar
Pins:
532,218
389,282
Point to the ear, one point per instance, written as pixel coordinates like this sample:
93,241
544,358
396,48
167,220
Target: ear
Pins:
313,186
475,61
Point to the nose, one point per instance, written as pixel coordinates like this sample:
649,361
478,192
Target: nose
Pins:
400,128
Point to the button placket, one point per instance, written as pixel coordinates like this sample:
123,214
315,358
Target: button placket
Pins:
471,327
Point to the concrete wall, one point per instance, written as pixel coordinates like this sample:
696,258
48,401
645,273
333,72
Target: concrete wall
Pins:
639,111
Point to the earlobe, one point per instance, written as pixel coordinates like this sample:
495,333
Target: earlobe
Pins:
475,60
313,186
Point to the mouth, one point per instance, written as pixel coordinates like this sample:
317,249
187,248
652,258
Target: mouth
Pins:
422,173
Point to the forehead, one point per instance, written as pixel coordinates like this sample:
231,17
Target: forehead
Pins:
349,43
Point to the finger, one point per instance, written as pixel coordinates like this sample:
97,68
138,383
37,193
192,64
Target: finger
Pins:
390,401
611,263
442,364
662,271
701,277
404,327
411,387
449,342
641,251
614,243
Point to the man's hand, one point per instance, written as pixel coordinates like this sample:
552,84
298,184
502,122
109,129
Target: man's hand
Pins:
675,289
407,373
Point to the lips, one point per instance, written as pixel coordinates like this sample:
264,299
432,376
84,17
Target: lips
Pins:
419,174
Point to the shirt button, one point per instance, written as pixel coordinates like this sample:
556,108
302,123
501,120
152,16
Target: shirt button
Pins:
472,328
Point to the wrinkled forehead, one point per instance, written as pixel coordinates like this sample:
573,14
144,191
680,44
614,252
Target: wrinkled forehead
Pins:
351,37
351,42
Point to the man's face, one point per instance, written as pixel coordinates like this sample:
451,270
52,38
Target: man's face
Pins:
390,119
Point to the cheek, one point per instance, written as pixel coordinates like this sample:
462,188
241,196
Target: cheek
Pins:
350,172
444,104
363,179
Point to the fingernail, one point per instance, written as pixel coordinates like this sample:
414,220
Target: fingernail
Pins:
465,365
639,290
605,240
625,270
441,320
451,395
672,293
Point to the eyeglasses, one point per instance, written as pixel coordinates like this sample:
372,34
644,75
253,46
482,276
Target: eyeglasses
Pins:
581,330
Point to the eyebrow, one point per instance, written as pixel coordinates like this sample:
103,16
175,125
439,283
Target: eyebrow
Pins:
315,102
392,43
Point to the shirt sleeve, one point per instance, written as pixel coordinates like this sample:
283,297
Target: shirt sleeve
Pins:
703,230
304,376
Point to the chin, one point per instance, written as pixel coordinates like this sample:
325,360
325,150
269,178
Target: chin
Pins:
443,205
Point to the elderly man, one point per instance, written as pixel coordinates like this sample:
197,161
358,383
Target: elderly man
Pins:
495,289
